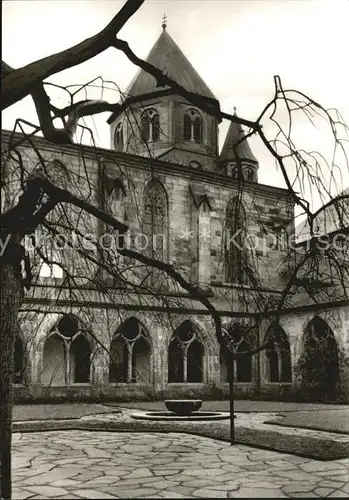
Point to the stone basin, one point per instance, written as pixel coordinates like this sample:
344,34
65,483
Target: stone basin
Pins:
183,406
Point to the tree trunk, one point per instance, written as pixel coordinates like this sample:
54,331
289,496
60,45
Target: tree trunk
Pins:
11,297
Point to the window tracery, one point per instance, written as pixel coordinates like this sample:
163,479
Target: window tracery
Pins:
67,354
192,129
150,125
155,220
185,356
278,355
130,354
235,258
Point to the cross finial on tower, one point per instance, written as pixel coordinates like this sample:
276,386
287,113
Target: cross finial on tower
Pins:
235,110
164,21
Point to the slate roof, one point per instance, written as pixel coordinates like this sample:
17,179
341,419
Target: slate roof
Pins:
168,57
234,134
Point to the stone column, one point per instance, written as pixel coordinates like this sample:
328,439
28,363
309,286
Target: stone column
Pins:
159,357
213,369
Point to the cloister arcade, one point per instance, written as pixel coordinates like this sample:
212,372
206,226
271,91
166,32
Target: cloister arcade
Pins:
71,355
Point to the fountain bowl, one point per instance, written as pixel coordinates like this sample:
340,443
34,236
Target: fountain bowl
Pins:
181,410
183,407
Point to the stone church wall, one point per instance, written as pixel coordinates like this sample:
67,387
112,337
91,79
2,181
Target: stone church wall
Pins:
197,202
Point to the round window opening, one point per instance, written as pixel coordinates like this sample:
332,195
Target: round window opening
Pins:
236,332
185,331
68,326
130,329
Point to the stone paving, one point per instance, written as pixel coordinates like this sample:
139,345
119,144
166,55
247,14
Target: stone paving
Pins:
83,464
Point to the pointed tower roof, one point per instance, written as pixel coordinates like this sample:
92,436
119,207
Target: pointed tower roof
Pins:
168,57
235,132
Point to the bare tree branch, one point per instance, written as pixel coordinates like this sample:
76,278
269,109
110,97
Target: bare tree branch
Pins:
19,83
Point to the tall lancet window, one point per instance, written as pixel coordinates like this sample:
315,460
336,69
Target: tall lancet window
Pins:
150,125
235,257
155,220
192,126
119,138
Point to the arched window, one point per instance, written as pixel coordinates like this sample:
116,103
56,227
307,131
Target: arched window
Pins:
150,125
240,366
185,355
119,137
130,354
235,172
67,354
235,255
192,129
278,355
249,174
155,220
18,361
320,359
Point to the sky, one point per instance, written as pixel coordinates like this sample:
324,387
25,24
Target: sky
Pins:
236,46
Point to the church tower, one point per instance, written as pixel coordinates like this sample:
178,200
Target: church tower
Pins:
238,162
158,123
